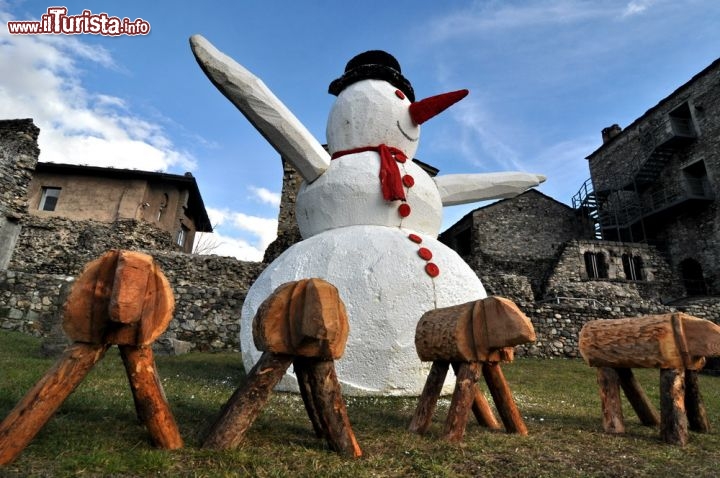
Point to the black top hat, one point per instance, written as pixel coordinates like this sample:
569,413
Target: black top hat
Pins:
375,65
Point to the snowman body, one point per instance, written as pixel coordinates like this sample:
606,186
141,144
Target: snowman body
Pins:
382,255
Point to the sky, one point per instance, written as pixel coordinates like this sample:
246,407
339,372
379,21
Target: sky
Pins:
545,77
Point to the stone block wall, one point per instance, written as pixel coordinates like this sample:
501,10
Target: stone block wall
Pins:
63,246
522,236
209,292
570,277
18,155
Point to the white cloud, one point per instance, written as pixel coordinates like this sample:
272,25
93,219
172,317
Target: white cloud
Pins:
265,195
480,141
262,231
636,7
77,126
489,16
221,245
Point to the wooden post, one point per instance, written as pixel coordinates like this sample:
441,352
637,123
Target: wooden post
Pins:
635,394
612,414
149,396
305,387
502,396
673,419
480,407
42,401
428,398
328,404
245,405
694,405
462,400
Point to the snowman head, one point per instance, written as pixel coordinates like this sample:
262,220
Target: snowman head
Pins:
376,105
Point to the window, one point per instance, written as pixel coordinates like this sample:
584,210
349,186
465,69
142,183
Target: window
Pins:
595,265
182,236
632,266
693,278
463,242
49,198
163,205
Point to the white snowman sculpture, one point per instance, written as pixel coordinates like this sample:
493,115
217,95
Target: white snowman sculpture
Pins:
369,216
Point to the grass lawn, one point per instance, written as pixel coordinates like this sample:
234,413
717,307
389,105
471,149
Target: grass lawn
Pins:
95,432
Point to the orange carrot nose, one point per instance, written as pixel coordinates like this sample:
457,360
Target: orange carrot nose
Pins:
423,110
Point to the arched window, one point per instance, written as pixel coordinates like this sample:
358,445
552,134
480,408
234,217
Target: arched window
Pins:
632,266
596,265
692,276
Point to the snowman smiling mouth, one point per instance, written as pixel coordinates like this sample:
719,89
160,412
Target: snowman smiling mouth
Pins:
409,138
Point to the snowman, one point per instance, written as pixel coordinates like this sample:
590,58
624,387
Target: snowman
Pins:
368,214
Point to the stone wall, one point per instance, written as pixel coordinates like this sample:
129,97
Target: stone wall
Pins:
209,292
288,232
63,246
521,236
570,276
18,155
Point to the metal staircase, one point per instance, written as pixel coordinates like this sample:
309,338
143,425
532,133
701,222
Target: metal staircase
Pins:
585,202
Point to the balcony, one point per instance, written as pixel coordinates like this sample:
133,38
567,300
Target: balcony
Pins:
626,212
667,136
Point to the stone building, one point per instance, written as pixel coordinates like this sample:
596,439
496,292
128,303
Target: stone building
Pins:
169,202
521,236
42,251
657,181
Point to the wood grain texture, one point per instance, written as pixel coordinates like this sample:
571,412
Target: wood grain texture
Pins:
304,318
647,342
471,332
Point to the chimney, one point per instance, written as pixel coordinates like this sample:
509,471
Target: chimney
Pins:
610,132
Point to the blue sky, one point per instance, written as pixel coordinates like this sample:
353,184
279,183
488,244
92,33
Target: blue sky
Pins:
544,78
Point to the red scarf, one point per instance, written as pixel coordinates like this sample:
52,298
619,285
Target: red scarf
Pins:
390,179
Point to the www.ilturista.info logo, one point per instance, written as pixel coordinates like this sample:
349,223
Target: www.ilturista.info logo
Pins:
57,21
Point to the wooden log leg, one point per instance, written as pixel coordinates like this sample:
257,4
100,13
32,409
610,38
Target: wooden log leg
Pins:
694,405
428,398
481,408
612,414
646,412
673,419
42,401
462,400
330,407
502,396
150,402
302,366
239,413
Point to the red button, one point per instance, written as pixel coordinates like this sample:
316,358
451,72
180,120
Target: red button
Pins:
400,94
404,210
425,253
415,238
408,181
432,270
400,158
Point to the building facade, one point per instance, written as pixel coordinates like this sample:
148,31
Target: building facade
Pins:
169,202
657,181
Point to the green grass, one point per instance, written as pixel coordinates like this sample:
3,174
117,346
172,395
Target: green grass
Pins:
95,432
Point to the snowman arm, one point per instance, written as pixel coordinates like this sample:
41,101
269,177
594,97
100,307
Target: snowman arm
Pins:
465,188
263,109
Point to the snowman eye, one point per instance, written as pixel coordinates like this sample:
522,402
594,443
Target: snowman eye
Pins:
400,94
